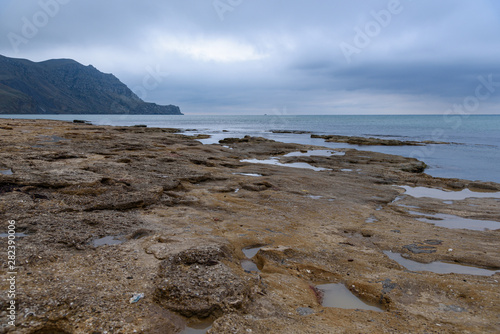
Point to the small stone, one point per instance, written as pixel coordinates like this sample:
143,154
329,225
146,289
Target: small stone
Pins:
433,242
303,311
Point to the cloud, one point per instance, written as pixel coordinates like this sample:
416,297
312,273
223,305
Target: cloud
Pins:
261,55
207,49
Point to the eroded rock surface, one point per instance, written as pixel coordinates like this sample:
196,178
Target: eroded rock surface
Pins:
200,282
181,213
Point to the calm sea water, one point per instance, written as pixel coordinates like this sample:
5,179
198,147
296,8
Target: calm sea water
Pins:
474,153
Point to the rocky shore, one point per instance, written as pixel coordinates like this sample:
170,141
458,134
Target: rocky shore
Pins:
353,140
144,230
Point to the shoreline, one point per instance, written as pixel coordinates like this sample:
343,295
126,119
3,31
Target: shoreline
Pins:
182,213
467,157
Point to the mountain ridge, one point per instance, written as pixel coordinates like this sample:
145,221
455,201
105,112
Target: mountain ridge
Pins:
64,86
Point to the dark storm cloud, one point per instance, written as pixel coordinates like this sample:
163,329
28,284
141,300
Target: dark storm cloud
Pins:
256,56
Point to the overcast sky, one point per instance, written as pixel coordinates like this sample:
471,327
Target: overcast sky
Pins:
281,56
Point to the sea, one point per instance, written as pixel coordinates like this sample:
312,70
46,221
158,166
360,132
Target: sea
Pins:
473,151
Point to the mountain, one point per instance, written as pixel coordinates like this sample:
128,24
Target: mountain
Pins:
64,86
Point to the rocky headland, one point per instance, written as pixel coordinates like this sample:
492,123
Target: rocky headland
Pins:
145,230
64,86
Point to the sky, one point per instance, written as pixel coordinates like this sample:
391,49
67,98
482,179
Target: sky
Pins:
276,57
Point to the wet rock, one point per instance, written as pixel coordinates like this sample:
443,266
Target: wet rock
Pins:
372,141
416,167
201,136
298,132
456,185
484,186
200,282
79,121
419,249
246,139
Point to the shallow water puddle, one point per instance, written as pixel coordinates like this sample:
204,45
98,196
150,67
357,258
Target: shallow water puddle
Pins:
109,240
274,161
398,198
6,172
52,139
197,328
447,195
337,295
439,267
456,222
408,206
18,235
315,197
371,219
249,265
248,174
250,252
